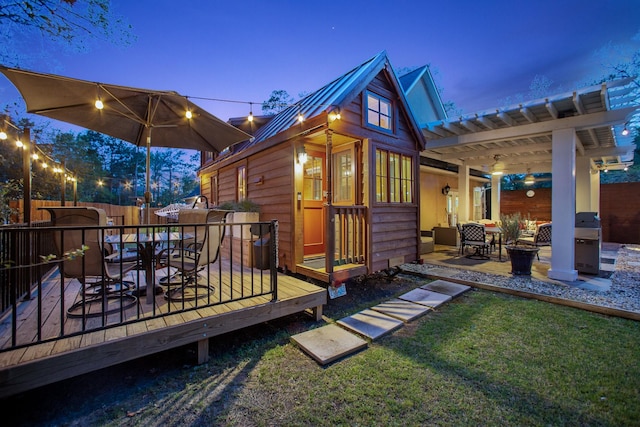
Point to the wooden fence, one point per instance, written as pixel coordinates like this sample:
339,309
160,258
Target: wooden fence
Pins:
122,215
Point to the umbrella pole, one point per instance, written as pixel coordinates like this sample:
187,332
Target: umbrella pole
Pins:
147,184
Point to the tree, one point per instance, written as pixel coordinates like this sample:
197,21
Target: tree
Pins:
69,23
278,101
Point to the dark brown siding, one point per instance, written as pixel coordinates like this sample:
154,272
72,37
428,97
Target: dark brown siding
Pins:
537,207
393,234
620,212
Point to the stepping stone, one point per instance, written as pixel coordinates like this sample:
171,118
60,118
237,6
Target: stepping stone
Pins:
445,287
425,297
403,310
328,343
370,323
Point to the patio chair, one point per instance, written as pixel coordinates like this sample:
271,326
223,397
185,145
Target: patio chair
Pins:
459,227
542,237
194,254
475,236
101,279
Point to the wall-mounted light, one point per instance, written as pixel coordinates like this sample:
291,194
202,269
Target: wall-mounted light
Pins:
446,189
302,155
334,115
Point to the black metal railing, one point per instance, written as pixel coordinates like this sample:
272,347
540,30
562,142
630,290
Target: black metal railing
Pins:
66,281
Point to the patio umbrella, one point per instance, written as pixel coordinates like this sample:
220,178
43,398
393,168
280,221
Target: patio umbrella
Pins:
126,113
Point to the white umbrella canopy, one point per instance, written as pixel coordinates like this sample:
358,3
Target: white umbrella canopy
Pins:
127,113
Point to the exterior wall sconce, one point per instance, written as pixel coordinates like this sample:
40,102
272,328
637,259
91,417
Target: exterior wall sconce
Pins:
498,166
302,155
446,189
334,115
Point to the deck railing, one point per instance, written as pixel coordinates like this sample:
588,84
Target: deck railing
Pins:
350,224
58,306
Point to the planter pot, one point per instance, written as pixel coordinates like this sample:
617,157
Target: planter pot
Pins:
521,259
244,231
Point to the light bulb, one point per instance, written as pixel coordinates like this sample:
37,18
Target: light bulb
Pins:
99,104
625,131
300,117
3,135
188,114
250,117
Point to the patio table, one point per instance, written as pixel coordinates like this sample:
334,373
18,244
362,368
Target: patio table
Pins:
147,243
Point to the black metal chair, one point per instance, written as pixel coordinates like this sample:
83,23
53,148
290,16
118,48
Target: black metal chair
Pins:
102,280
542,237
195,253
475,236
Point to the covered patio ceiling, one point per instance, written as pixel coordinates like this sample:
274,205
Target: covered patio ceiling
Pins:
521,134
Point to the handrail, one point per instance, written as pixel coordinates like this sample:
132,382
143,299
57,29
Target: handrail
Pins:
48,300
350,231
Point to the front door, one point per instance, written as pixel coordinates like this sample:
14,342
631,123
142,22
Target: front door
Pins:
314,195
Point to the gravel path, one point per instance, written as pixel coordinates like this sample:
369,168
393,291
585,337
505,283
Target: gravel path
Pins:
624,293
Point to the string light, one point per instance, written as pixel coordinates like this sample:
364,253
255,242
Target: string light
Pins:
3,135
250,117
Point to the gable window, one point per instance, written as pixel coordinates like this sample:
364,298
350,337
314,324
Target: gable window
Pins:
379,112
394,177
242,183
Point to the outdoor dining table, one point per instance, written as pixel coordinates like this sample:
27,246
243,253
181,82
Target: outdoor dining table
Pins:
147,243
496,230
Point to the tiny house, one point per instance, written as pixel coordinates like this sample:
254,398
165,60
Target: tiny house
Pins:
339,170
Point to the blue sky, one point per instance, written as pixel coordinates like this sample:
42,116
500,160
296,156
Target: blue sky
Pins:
482,52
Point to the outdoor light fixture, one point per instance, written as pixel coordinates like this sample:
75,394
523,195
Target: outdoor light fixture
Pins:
446,189
188,114
19,143
625,131
302,155
529,179
335,115
497,168
300,118
250,117
3,135
99,104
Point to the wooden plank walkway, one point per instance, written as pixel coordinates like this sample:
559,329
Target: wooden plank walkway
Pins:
140,330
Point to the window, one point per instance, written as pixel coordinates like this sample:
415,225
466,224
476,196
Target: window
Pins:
242,183
394,177
379,112
313,178
343,182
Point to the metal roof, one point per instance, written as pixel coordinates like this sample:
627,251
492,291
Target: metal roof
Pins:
521,134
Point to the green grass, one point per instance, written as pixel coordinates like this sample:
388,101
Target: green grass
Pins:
483,359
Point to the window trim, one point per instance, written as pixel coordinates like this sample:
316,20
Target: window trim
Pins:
366,109
402,181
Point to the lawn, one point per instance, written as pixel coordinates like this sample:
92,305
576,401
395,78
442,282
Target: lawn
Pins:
483,359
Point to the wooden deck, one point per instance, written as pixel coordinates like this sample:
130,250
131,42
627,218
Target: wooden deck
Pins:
140,330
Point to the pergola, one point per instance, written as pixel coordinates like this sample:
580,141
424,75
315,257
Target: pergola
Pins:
573,135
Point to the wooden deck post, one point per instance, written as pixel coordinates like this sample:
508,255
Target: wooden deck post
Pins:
330,219
203,351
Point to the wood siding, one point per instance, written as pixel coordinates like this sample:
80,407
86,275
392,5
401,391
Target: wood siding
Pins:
537,207
620,212
393,234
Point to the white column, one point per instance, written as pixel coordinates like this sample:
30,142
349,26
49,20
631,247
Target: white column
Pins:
583,184
595,191
463,194
563,205
495,197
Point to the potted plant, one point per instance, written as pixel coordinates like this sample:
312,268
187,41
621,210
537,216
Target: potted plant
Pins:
521,256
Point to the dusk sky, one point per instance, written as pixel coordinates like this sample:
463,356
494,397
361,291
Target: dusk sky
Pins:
481,52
